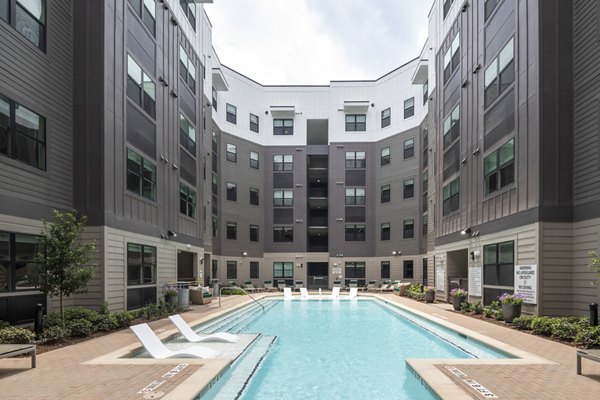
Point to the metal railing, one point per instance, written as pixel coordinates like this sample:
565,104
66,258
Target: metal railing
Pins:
236,287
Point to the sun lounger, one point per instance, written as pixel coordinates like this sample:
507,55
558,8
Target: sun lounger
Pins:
298,285
281,284
269,286
353,293
287,293
157,349
371,286
304,293
249,287
593,355
335,292
353,284
193,337
11,350
337,284
385,287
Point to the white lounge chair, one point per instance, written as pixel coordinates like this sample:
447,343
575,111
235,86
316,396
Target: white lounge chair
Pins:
249,287
304,293
353,293
157,349
287,293
335,293
193,337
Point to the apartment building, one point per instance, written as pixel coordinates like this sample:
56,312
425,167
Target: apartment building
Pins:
474,160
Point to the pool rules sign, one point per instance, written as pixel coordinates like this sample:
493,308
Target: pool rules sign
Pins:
526,282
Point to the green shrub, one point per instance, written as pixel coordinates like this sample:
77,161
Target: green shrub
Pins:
124,318
14,335
465,307
565,329
543,325
230,292
477,308
54,334
107,323
4,324
50,320
523,322
493,310
589,337
80,328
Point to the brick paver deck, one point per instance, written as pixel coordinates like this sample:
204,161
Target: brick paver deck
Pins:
61,375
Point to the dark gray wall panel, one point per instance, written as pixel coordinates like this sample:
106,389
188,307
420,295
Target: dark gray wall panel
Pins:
141,131
283,180
499,121
499,28
187,102
140,43
356,177
188,168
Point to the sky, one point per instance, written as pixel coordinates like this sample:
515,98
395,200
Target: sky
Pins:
311,42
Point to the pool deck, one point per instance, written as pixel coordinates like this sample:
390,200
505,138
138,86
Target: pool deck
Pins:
93,369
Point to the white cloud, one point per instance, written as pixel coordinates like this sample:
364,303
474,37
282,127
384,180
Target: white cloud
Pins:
315,41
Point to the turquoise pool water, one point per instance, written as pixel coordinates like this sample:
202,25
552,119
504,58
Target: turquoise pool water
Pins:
347,350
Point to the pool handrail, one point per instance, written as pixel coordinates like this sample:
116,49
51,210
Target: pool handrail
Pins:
239,288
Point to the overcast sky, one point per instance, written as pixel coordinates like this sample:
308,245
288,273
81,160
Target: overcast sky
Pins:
316,41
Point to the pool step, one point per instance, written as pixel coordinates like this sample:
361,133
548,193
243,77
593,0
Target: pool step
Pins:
237,320
241,372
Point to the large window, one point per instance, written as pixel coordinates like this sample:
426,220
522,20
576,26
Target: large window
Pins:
409,107
214,99
356,122
254,161
355,196
141,264
425,92
409,148
356,159
187,69
283,198
254,233
231,153
385,231
254,199
189,10
408,270
254,269
499,167
409,188
22,134
409,229
187,134
187,201
141,175
254,123
355,270
385,194
28,18
283,162
385,156
283,234
231,228
215,187
499,264
447,4
385,270
17,255
283,127
500,74
386,117
231,191
140,87
452,58
452,127
283,270
451,196
355,233
231,269
231,113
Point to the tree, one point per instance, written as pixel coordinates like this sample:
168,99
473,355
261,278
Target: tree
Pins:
595,263
61,258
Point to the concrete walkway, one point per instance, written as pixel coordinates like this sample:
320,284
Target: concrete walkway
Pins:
61,373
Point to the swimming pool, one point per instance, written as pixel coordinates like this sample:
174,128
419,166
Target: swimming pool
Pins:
341,349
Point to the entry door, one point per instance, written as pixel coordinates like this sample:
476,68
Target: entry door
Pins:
318,275
425,283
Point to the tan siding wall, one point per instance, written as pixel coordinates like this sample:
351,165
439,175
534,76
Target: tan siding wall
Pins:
586,289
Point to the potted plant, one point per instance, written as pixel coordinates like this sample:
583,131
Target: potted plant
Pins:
206,297
429,294
511,306
458,297
171,295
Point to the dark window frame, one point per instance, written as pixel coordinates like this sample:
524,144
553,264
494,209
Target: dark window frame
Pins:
283,270
231,189
254,197
17,12
386,117
354,125
13,261
409,188
254,163
409,148
254,270
283,165
137,92
355,232
283,234
385,270
231,152
256,236
283,126
232,269
187,134
502,76
446,7
409,110
143,180
355,199
451,197
231,230
144,264
425,92
498,265
386,159
489,7
386,193
231,113
385,231
452,58
190,11
285,200
187,200
186,65
354,162
214,99
254,125
408,229
451,127
408,269
502,174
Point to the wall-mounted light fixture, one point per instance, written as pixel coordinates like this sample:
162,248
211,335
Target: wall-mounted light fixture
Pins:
466,231
397,252
171,234
244,253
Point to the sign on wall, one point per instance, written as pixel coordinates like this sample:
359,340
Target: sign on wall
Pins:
475,281
336,271
440,277
526,282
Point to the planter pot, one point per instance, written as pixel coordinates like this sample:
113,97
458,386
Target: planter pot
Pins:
429,297
510,312
172,300
457,301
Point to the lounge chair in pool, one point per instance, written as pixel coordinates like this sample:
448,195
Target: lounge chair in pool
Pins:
371,286
287,293
157,349
249,287
298,285
269,286
353,284
281,284
335,292
337,284
193,337
304,293
353,293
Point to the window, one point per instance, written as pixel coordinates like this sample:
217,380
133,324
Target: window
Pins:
408,270
231,113
355,196
385,270
425,223
283,270
283,234
385,156
385,231
451,196
141,264
499,264
17,255
231,153
231,191
254,123
490,6
409,148
500,74
385,194
231,230
214,142
29,19
231,269
140,87
499,167
254,270
141,175
452,58
283,162
386,117
409,107
254,160
425,180
254,233
355,232
215,226
215,185
356,159
189,10
355,270
22,134
187,69
409,188
283,127
187,201
356,122
409,229
425,92
254,196
187,134
214,99
447,4
283,198
452,127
